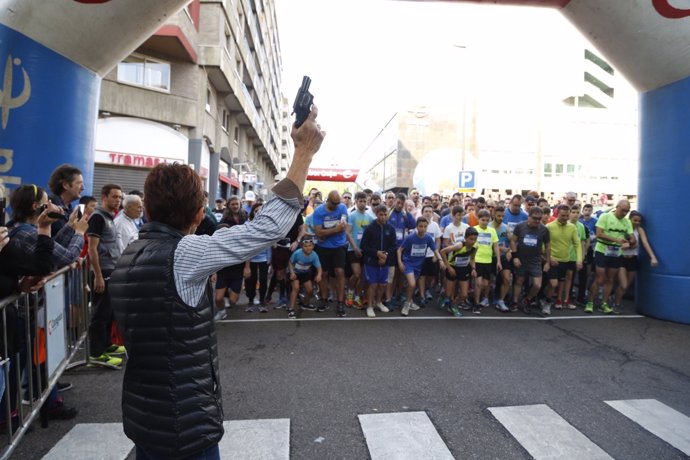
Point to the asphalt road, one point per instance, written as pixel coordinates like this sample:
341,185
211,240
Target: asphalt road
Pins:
322,373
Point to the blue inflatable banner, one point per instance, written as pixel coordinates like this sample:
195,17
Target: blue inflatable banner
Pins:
48,110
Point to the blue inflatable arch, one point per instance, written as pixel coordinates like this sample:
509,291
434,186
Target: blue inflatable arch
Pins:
50,93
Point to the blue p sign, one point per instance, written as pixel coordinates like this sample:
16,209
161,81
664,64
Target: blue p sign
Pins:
466,179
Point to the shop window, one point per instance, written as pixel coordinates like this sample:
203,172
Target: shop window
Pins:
559,170
145,72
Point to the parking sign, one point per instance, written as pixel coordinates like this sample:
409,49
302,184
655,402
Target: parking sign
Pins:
466,180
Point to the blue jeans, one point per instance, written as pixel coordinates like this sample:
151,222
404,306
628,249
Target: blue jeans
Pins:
212,453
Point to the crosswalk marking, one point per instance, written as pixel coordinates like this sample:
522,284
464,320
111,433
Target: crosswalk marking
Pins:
659,419
256,439
545,434
402,435
87,441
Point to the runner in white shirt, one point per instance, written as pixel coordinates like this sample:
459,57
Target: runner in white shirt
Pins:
125,225
455,231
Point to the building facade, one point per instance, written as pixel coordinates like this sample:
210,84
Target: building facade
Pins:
584,138
203,90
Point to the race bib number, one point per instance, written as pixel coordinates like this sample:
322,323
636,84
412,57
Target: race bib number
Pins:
484,239
462,261
399,235
530,241
511,226
418,250
612,251
301,267
329,223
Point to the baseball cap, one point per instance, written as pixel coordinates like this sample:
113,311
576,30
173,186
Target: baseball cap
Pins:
531,199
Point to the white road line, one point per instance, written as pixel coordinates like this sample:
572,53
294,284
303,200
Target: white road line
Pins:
256,439
545,434
659,419
88,441
451,318
402,436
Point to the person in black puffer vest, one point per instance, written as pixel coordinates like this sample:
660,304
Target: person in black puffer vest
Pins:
163,302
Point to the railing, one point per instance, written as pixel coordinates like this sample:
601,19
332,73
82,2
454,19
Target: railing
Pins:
42,333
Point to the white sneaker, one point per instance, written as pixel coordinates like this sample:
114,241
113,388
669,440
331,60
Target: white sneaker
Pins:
382,307
405,309
220,315
546,309
414,306
484,302
370,312
501,306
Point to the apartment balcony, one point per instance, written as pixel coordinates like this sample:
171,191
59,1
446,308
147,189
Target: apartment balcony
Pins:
177,39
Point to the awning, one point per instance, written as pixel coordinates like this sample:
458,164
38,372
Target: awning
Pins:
230,180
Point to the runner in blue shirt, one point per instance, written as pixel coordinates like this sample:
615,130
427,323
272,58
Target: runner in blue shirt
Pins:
357,222
411,256
304,265
330,225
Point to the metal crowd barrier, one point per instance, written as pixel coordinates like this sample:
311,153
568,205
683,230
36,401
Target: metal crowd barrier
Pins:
43,334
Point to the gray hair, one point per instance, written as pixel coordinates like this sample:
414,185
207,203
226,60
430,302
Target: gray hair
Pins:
129,199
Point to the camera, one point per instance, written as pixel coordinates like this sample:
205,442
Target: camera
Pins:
52,215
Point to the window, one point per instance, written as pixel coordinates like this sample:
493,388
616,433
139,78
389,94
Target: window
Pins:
570,170
208,99
236,136
559,170
228,41
548,170
225,120
142,71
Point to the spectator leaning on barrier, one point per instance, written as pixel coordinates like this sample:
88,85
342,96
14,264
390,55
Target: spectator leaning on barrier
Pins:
171,397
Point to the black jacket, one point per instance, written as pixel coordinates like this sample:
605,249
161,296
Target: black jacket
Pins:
171,399
15,262
378,237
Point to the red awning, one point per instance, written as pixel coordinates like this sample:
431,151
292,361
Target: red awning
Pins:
230,180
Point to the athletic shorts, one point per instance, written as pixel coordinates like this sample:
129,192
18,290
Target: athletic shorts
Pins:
351,258
280,257
602,261
429,267
376,274
589,257
485,270
631,263
558,272
533,270
461,274
332,258
305,277
231,278
417,270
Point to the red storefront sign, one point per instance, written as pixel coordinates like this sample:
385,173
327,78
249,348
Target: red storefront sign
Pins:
333,175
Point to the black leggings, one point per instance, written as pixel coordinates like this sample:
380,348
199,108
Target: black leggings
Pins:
260,274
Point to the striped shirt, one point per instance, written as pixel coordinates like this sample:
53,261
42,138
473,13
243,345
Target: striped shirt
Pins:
199,256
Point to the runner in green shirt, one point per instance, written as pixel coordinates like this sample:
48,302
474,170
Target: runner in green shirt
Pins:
564,238
614,231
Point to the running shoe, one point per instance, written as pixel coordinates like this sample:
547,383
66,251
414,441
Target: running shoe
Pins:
477,309
570,305
484,302
428,295
501,306
546,309
526,306
262,308
116,350
383,308
105,359
291,314
405,310
220,315
589,307
455,311
340,310
370,312
605,309
309,306
249,308
282,302
413,306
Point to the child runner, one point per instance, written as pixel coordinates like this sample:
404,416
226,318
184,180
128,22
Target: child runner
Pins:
411,255
301,266
460,267
487,249
378,246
